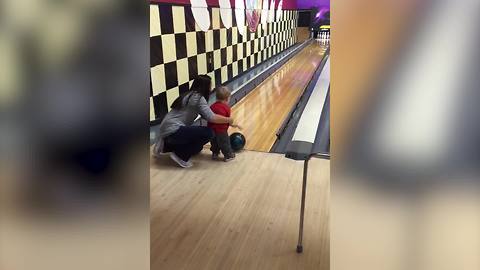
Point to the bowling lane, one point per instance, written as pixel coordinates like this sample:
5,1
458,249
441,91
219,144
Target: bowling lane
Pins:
263,110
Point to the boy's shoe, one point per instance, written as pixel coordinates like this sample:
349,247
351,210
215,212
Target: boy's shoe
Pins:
229,158
179,161
159,148
215,156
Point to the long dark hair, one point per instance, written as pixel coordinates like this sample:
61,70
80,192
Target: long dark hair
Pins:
201,85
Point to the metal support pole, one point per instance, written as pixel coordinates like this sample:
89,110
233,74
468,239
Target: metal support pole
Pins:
302,207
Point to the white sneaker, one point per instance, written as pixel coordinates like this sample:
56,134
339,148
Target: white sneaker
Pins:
179,161
227,159
158,148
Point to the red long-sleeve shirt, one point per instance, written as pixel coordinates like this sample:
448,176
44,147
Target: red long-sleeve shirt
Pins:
221,109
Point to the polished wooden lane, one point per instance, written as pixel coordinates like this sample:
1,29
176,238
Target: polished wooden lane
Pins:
238,215
262,111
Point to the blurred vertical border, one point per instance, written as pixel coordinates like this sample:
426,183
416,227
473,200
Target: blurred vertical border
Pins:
405,145
74,162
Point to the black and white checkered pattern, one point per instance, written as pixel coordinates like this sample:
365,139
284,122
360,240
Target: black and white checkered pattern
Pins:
180,50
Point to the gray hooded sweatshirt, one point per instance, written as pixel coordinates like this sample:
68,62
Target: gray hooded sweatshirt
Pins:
197,105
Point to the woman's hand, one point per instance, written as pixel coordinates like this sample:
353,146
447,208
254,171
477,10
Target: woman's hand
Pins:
220,119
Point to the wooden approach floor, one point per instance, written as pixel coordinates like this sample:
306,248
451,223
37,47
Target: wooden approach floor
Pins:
262,111
238,215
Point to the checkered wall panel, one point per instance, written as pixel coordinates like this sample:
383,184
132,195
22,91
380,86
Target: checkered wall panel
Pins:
179,50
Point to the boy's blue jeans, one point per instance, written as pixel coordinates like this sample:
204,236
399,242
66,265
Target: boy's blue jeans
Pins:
221,142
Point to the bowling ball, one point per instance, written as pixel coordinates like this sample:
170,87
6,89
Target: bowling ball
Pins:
237,141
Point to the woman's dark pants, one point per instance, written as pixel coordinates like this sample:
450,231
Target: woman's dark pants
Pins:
188,141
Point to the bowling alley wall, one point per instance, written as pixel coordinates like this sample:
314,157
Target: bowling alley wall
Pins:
219,38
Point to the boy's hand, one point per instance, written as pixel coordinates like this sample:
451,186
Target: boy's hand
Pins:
236,126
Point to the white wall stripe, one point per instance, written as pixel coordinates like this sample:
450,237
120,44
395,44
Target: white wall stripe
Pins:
306,130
